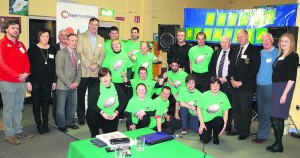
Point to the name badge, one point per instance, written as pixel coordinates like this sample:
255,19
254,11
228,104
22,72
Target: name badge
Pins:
51,56
268,60
244,56
280,58
79,62
22,50
99,45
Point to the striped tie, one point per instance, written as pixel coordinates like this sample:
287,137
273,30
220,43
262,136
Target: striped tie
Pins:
221,64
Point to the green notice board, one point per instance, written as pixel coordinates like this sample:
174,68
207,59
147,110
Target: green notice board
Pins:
208,32
259,33
228,33
221,19
232,19
196,31
217,34
189,33
210,18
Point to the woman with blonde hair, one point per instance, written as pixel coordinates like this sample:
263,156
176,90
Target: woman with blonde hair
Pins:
283,78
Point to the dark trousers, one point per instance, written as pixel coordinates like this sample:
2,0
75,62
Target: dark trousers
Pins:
213,127
95,120
241,109
141,123
128,97
202,82
169,127
225,88
40,95
85,82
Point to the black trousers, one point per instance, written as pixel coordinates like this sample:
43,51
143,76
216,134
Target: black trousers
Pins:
141,123
214,127
85,82
95,120
169,127
125,90
241,110
41,94
225,88
202,82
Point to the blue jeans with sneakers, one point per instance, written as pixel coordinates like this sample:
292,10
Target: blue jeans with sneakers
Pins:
188,121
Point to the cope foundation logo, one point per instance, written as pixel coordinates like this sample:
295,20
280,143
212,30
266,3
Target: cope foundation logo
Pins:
65,14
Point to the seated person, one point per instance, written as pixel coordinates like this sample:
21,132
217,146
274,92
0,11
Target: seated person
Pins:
150,84
213,112
145,59
105,101
187,99
138,110
162,122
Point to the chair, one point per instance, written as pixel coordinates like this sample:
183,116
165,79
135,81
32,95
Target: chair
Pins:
254,108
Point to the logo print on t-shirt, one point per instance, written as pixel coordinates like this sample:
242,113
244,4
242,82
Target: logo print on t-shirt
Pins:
213,108
118,65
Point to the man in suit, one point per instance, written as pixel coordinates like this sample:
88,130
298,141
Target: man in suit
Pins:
218,67
242,73
68,71
63,42
91,48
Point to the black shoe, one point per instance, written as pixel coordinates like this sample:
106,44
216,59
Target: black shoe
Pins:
231,133
63,129
275,148
81,121
243,136
72,126
216,141
40,129
46,128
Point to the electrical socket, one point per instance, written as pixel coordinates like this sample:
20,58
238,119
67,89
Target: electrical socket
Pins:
297,107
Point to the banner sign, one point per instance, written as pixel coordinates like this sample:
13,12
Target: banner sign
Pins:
74,17
216,23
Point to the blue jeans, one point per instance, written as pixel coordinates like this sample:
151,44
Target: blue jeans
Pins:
188,121
65,115
263,95
13,98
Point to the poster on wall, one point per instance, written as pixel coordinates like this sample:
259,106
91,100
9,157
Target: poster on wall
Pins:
18,7
74,17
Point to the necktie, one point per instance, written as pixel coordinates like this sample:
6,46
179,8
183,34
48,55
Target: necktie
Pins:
239,55
221,64
74,61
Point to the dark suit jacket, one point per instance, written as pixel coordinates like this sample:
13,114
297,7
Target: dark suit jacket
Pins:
214,60
246,69
57,47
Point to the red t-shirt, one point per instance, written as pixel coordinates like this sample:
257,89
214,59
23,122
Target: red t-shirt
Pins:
13,60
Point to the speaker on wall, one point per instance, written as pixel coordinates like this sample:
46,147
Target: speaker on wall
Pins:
277,32
167,35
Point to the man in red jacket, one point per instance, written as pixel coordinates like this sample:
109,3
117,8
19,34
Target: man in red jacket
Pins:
14,69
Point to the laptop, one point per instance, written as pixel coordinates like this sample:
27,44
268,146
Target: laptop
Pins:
155,138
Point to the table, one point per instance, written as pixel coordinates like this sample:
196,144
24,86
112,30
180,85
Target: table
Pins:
169,149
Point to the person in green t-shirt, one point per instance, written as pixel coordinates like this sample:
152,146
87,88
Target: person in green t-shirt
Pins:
213,112
200,56
114,35
133,46
139,109
105,101
150,84
162,122
144,59
188,98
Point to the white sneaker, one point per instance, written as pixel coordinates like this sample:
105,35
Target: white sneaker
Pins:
184,132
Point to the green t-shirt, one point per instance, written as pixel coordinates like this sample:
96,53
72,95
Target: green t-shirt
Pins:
161,108
108,100
109,51
150,84
208,99
133,46
117,63
178,79
200,58
191,98
146,61
135,104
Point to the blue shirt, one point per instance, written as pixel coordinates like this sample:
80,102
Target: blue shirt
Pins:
93,40
264,75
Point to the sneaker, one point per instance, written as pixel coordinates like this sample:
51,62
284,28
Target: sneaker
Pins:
24,135
12,140
184,132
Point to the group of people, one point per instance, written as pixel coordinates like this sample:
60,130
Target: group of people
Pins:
203,90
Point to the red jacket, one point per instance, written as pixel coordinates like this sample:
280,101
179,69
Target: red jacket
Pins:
13,60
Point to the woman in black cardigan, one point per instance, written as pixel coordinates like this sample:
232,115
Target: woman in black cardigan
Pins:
105,101
42,78
283,78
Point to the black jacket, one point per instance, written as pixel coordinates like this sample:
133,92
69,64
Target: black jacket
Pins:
213,62
182,53
246,69
94,94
